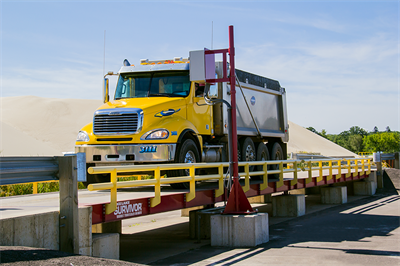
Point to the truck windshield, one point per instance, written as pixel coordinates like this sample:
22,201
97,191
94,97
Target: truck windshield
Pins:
153,84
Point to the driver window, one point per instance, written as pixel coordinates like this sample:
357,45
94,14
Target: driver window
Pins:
199,89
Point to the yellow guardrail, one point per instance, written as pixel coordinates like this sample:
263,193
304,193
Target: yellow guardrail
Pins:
362,165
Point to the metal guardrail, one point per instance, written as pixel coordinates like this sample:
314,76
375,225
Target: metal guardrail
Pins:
36,169
358,165
388,156
16,170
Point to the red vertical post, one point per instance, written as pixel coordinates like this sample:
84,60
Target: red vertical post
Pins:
237,202
233,103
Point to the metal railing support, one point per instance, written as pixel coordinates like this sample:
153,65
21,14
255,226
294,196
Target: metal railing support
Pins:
69,219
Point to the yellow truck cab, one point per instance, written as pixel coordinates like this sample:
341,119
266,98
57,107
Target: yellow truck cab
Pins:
158,115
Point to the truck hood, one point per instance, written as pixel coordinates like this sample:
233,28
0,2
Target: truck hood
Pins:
149,105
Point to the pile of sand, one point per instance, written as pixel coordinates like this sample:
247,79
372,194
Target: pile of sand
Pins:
33,125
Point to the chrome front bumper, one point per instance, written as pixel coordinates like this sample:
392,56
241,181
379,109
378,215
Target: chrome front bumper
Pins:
128,153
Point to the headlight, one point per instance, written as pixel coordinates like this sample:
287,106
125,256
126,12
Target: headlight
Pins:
156,134
82,136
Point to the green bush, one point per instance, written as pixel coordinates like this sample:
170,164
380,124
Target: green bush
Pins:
24,189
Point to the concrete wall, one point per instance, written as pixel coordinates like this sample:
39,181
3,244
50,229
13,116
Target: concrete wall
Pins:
239,230
43,231
85,231
106,246
38,230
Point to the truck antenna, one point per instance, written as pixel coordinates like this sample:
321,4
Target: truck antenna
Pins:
104,54
212,33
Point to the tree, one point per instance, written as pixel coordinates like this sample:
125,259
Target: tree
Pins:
313,130
355,143
376,129
385,142
323,134
388,129
356,130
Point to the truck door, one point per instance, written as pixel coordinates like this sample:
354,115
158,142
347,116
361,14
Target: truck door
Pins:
198,112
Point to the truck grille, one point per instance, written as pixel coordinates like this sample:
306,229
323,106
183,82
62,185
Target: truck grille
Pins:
111,122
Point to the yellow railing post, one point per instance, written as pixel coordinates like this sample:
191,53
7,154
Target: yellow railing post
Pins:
35,188
309,179
330,170
321,174
348,169
356,166
339,175
112,206
246,186
294,181
192,185
220,190
157,189
264,185
280,182
369,166
362,167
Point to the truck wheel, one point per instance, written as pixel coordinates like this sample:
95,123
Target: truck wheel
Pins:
188,153
248,151
262,155
277,155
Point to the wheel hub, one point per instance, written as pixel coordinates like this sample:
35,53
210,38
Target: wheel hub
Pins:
250,153
190,157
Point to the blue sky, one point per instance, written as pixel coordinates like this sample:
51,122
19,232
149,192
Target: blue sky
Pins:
338,60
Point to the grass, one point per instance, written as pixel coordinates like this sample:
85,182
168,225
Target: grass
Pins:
24,189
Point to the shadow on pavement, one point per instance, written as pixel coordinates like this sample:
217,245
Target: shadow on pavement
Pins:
30,254
347,222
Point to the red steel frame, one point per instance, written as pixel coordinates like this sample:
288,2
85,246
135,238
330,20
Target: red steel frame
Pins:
237,202
206,197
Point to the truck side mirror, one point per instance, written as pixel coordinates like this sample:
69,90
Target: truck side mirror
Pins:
106,97
211,90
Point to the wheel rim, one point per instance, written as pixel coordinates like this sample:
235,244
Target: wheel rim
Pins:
190,157
250,153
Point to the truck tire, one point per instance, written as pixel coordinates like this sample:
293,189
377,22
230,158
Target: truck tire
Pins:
262,155
277,155
188,153
248,151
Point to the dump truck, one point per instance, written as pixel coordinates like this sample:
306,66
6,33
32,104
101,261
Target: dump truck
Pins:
159,114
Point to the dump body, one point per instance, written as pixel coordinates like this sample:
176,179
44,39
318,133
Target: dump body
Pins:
263,105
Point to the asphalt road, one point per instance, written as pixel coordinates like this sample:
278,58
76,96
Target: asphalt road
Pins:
364,231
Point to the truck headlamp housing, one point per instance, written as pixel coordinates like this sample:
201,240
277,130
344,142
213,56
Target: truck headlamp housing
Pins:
156,134
82,136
